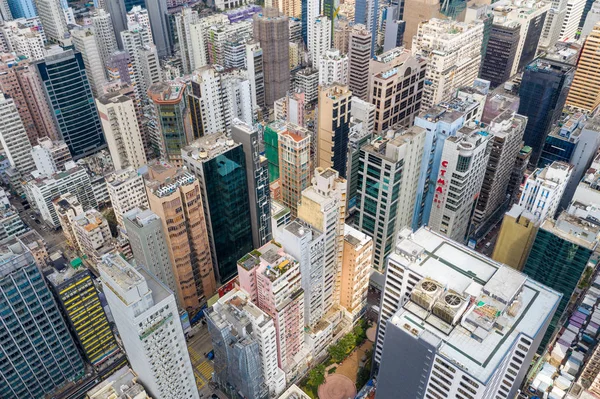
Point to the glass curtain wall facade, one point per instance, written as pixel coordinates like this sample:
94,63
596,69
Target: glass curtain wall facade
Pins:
70,96
37,353
227,198
272,152
558,264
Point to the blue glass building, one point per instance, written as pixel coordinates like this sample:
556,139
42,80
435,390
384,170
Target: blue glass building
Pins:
37,353
366,12
220,165
22,8
72,104
543,93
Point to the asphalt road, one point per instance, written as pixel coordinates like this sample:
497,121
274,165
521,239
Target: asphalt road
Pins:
55,240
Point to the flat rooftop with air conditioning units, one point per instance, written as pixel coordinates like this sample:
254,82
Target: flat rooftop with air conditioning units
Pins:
472,308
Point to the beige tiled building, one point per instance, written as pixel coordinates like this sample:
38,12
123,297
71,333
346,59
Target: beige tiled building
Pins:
174,195
356,263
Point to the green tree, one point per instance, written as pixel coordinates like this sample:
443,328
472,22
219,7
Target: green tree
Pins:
316,377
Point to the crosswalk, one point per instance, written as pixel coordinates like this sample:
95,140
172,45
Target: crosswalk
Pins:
203,369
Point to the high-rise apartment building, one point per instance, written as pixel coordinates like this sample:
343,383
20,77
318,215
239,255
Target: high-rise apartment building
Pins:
359,54
271,30
13,137
68,91
39,354
52,17
245,342
470,326
19,80
356,265
257,176
518,175
175,196
184,32
388,176
462,169
560,253
543,92
74,290
320,41
149,246
584,94
41,190
295,161
323,206
127,191
219,163
306,81
453,53
519,227
272,278
396,88
148,321
104,33
121,130
50,156
333,68
205,102
544,188
507,134
333,127
571,23
85,41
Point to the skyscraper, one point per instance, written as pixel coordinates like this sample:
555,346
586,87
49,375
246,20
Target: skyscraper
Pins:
387,188
543,92
14,137
39,354
85,41
559,255
450,331
271,30
584,94
333,68
149,246
104,33
52,18
453,53
323,206
320,41
357,258
333,127
501,52
396,88
366,12
245,342
507,134
121,130
75,292
174,195
462,169
359,54
127,191
295,163
18,79
148,321
170,110
22,9
257,176
272,278
219,163
68,91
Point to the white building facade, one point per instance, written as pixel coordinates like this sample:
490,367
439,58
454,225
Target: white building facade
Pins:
544,188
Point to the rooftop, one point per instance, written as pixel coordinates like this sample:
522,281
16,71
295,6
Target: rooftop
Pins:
209,147
473,308
579,231
123,383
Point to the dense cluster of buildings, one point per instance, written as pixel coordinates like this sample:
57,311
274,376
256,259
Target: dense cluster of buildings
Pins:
264,168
